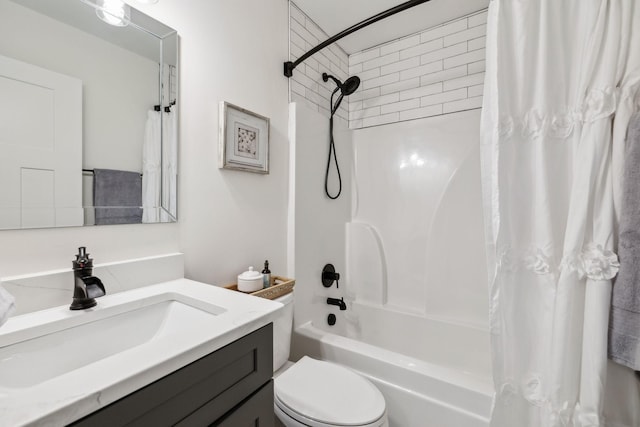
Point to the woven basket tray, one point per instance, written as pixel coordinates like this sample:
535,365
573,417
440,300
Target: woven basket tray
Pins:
281,286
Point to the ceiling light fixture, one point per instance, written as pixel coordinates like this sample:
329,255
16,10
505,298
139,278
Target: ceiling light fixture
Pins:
114,12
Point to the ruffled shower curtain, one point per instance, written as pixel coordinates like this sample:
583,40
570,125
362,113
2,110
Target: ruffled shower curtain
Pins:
169,166
160,167
559,72
151,168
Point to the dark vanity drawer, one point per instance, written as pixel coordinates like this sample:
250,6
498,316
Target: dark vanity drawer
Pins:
256,410
216,384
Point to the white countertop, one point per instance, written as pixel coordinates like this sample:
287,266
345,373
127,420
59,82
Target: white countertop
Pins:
69,397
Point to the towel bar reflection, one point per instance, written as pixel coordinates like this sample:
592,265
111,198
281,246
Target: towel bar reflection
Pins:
91,171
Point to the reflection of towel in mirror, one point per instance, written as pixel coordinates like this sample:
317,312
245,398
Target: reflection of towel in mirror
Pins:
7,305
121,191
624,323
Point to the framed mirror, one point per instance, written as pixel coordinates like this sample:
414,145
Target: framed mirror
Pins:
88,115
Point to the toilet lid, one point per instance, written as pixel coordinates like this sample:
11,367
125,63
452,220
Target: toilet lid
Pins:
329,393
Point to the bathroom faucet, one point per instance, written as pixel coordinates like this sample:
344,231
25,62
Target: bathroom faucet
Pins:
338,302
329,276
86,287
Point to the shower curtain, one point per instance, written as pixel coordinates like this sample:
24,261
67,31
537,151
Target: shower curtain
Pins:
160,167
151,166
169,165
561,83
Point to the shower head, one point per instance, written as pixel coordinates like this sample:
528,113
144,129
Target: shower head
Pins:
348,87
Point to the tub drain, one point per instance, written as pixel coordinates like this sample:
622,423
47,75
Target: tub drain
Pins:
331,319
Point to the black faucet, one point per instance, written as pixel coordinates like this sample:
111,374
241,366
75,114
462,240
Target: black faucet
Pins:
329,276
339,302
86,287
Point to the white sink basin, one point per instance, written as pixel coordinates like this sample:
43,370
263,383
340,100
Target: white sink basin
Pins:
58,365
95,339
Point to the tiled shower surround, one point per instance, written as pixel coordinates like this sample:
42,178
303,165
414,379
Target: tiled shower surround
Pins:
433,72
437,71
306,83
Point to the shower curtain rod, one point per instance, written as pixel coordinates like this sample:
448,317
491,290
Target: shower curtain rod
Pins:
290,66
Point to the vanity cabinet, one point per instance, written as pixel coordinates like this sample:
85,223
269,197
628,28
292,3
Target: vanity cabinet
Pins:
230,387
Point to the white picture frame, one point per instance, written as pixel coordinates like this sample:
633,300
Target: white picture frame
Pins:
244,140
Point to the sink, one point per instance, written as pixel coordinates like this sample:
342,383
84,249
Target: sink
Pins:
30,362
58,365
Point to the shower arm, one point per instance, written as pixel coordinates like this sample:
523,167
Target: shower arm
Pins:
290,66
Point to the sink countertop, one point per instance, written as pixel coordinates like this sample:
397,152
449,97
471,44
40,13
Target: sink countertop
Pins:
71,396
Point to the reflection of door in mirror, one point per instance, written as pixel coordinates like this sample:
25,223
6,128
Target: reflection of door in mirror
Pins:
40,147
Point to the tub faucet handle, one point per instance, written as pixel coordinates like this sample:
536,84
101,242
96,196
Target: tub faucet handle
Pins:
329,276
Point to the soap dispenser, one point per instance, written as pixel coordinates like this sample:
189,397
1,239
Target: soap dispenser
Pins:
266,275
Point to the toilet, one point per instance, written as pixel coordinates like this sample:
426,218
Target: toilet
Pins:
317,393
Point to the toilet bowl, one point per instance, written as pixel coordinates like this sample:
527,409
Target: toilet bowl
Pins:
316,393
322,394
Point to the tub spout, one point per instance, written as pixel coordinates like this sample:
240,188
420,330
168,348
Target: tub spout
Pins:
337,302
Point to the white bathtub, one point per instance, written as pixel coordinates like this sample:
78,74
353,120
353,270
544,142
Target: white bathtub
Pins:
418,393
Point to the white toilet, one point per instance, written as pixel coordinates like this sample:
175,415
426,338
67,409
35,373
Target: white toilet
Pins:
316,393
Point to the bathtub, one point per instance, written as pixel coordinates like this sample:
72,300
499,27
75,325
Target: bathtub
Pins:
441,392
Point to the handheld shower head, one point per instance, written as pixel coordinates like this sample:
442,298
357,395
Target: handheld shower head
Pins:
348,87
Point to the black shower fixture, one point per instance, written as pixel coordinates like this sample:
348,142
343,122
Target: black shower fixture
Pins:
347,88
350,85
329,276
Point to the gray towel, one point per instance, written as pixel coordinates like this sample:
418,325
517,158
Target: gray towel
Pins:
121,191
624,323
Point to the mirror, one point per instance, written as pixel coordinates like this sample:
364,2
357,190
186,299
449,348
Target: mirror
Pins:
88,120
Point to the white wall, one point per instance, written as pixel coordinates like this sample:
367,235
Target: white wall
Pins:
231,50
119,86
419,193
319,223
29,251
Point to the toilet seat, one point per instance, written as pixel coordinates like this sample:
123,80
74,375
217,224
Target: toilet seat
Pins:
322,394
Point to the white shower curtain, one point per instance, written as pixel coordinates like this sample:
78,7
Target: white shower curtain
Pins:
151,166
160,167
558,73
169,165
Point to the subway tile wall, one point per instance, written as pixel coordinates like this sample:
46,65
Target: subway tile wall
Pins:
436,71
306,85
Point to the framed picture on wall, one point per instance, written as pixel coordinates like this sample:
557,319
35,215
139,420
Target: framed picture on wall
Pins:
244,140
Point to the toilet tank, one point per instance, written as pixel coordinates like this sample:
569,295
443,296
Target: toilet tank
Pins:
282,328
